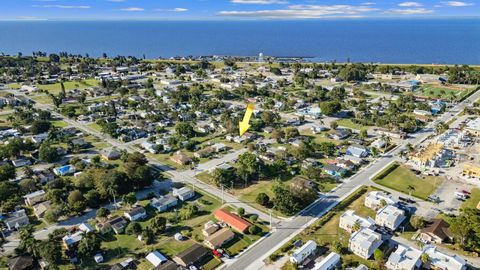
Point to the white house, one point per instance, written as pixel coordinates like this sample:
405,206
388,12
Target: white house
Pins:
404,258
390,217
163,203
376,199
349,219
17,219
85,227
442,261
328,263
303,252
156,258
137,213
183,193
364,242
35,197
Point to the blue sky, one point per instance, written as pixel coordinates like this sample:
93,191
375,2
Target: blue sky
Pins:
231,9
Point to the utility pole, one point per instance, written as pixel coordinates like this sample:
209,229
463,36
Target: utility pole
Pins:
223,195
270,214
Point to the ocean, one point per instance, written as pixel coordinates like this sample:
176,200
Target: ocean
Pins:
428,41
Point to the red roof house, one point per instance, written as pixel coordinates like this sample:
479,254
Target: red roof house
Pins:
232,220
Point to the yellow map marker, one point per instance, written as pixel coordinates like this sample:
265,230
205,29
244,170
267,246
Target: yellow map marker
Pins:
244,125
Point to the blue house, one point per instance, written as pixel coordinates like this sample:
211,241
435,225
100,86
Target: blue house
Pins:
358,151
334,170
437,106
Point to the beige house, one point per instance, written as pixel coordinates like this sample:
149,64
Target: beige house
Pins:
349,221
390,217
364,242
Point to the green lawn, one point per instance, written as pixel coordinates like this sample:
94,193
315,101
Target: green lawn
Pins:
59,123
445,92
69,85
349,124
401,178
474,199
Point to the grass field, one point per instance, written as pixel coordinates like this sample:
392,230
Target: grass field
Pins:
69,85
401,178
444,92
474,199
349,124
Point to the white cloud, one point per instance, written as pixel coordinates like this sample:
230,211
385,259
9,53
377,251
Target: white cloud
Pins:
179,9
409,11
259,2
368,3
410,4
66,7
29,18
132,9
304,12
457,4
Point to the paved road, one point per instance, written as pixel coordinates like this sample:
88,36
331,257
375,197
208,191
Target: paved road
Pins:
253,258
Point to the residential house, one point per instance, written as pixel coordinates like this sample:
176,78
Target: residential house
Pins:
71,241
330,262
156,258
378,199
85,227
219,147
35,197
183,193
17,220
44,176
168,265
436,232
390,217
299,255
191,256
117,224
163,203
364,242
441,261
349,220
21,162
346,164
357,150
340,134
404,258
205,152
40,209
181,159
111,154
334,170
318,129
136,213
232,220
210,228
219,238
150,147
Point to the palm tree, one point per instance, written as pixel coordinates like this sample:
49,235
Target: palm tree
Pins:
410,189
356,226
424,258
